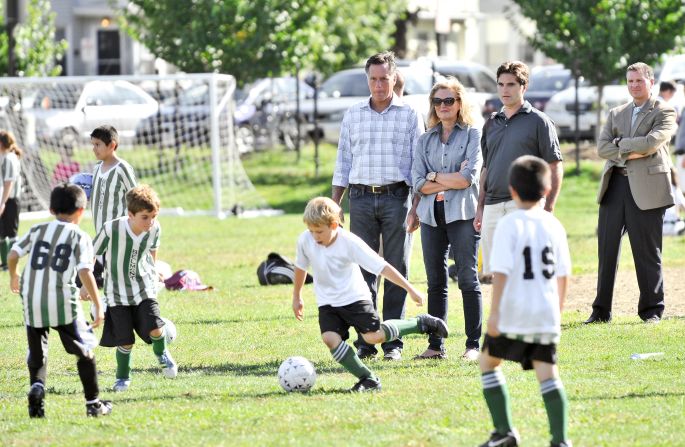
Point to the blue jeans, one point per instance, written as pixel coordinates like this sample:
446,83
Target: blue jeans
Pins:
436,242
373,215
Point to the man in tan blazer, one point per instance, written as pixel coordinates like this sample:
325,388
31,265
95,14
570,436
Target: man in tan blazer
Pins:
635,190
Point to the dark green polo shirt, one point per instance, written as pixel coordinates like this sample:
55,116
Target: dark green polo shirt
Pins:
527,132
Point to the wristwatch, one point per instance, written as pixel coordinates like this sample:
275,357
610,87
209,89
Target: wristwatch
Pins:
431,176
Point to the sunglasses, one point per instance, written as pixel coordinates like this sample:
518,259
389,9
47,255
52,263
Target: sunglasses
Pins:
446,101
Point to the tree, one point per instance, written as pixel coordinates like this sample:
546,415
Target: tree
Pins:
36,50
257,38
598,39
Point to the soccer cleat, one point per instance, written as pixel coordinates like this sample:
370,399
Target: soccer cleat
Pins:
366,384
99,408
36,400
510,439
365,353
169,367
394,354
121,385
429,324
566,443
471,355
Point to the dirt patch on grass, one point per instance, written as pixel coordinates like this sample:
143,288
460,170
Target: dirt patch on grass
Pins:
582,291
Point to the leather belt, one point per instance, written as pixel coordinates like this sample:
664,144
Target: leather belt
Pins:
383,189
620,170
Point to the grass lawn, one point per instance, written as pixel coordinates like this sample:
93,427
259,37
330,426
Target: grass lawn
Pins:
231,341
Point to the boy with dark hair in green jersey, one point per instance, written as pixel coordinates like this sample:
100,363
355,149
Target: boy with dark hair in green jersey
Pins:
129,245
58,251
113,177
344,300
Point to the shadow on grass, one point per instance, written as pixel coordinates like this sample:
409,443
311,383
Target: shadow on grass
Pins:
646,395
235,320
11,325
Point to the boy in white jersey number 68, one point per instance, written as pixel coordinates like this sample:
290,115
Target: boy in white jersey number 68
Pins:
58,250
129,245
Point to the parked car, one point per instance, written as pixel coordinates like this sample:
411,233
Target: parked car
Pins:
67,113
560,108
263,114
184,117
544,82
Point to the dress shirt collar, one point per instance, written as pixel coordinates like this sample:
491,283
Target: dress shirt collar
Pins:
396,102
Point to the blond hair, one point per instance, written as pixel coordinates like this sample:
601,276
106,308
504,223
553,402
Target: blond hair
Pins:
321,211
465,114
142,198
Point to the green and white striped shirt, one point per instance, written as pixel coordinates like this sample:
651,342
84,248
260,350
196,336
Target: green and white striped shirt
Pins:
57,251
11,170
131,276
108,197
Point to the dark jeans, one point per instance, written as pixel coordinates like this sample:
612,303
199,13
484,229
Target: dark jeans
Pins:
373,215
618,214
436,242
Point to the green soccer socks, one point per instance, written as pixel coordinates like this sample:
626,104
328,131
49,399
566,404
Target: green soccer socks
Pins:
159,343
123,363
497,397
394,329
4,250
556,404
346,356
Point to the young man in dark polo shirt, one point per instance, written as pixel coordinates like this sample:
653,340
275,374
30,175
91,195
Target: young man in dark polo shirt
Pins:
518,129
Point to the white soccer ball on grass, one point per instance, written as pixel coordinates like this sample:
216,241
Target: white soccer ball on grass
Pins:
170,332
296,374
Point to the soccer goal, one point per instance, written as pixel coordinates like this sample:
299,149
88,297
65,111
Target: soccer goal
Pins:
176,131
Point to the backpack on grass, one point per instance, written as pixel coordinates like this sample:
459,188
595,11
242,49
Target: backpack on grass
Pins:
278,269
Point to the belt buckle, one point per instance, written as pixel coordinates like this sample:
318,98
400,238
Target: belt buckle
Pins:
376,189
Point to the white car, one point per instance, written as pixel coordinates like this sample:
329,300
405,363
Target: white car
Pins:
560,108
65,114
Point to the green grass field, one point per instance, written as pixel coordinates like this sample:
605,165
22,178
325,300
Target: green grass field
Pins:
231,341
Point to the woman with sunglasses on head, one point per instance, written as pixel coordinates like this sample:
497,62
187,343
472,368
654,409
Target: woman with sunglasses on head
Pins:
445,173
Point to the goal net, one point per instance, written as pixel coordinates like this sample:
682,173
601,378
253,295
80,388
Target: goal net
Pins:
176,131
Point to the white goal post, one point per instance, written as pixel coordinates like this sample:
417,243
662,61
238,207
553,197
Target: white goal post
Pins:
175,130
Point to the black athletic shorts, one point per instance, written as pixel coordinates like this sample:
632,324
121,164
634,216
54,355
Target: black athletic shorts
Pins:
9,221
121,321
520,351
360,314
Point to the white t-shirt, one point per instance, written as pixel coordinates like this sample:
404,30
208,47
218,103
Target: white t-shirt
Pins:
338,279
530,247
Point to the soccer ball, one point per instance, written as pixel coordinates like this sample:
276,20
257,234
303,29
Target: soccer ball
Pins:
170,331
296,374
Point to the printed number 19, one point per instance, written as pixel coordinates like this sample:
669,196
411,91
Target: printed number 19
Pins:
548,262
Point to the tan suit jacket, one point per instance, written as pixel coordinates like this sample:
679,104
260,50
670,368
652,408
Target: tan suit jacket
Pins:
649,177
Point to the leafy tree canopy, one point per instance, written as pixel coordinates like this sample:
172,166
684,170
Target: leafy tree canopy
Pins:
257,38
36,51
600,38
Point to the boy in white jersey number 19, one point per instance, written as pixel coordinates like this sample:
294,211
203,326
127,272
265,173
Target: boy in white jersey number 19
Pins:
129,245
531,265
57,251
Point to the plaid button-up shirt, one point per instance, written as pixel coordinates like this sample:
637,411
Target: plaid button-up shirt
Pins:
377,148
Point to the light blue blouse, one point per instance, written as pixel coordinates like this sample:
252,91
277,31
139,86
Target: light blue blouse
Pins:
432,155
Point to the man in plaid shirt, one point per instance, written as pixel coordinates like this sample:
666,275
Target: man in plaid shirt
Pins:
375,153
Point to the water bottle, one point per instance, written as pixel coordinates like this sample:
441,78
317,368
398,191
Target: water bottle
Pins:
647,355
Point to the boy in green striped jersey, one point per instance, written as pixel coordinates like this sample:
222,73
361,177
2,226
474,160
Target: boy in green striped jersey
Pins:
129,245
112,179
58,250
